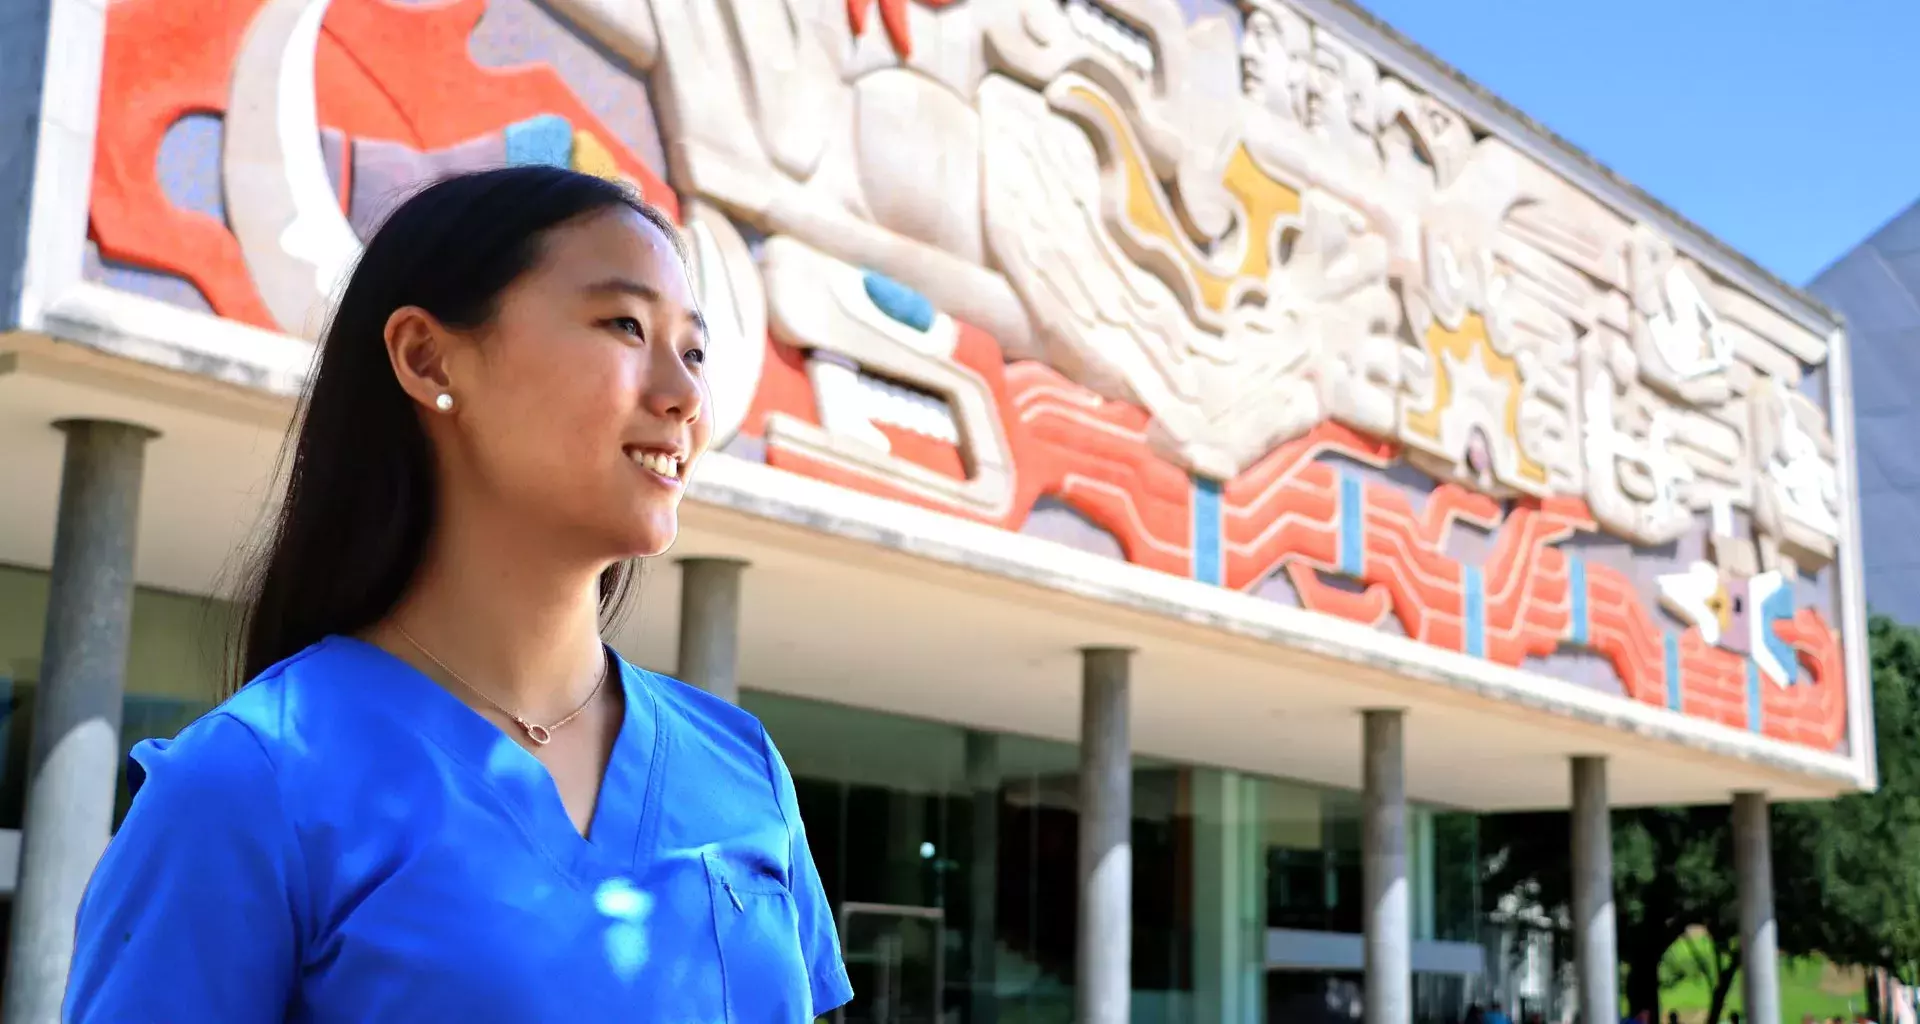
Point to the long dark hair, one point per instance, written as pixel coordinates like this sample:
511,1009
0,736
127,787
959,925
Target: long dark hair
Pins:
360,496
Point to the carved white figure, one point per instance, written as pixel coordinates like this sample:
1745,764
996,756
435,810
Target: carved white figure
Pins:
1634,479
283,208
1797,504
858,347
1770,601
1219,398
1804,479
727,282
1683,346
1699,597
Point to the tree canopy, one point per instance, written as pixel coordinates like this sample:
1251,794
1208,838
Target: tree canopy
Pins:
1846,871
1858,881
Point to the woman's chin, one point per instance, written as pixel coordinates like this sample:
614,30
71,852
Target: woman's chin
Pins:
652,538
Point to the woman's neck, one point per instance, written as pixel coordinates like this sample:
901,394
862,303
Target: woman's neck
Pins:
518,624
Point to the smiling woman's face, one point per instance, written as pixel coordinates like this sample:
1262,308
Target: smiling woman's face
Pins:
581,407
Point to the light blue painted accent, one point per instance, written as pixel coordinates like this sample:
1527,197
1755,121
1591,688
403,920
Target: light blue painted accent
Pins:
547,139
1673,672
900,302
1778,607
1753,695
1577,589
1206,531
1476,612
1353,524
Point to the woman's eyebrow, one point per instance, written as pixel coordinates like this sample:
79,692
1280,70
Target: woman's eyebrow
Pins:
623,286
646,293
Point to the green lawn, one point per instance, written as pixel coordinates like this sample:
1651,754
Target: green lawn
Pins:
1810,987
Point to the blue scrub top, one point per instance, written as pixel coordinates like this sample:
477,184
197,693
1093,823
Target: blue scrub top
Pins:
346,841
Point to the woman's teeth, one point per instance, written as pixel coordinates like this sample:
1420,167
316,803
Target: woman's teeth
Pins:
665,465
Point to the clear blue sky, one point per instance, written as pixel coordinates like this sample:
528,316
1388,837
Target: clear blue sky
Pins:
1789,128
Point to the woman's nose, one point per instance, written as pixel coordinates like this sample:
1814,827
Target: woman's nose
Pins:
673,389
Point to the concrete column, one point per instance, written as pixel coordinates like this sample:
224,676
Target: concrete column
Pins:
74,763
983,881
1103,989
1595,953
1383,850
1753,866
710,625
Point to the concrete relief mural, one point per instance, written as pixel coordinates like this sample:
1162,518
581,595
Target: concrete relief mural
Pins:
1219,288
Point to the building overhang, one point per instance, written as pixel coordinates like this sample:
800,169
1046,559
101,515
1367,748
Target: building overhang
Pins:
858,600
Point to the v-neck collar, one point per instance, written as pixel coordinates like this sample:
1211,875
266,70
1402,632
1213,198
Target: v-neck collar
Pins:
622,809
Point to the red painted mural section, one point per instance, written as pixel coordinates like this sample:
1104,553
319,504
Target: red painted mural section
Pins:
394,71
1814,715
1716,682
163,61
1067,443
1283,515
1092,454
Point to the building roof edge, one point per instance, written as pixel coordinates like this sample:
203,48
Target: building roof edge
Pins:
1408,58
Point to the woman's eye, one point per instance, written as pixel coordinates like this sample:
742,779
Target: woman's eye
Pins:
696,356
626,325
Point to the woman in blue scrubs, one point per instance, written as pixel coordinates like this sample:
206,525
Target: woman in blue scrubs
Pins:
440,797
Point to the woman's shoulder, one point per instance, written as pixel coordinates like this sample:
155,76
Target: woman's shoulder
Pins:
219,768
275,720
275,704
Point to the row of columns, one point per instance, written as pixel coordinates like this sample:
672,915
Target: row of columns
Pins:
709,630
76,737
1385,885
709,624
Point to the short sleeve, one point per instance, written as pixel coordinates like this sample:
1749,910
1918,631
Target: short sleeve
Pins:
191,913
819,936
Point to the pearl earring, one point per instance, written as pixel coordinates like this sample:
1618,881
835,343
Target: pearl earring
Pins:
443,402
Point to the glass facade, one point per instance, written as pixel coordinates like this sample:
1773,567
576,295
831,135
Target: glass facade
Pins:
173,673
952,856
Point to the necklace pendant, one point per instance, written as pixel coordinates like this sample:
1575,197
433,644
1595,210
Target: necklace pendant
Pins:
539,734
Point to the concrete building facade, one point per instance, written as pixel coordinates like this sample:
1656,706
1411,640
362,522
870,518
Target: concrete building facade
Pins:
1179,460
1876,287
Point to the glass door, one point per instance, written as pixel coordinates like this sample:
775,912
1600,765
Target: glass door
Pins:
893,955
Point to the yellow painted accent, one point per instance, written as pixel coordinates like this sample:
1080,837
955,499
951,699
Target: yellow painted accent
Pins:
1720,604
1469,342
591,156
1146,206
1266,201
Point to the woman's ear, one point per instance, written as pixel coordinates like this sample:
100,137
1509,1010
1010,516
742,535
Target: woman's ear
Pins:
418,348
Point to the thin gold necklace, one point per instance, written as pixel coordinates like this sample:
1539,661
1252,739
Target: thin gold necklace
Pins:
541,735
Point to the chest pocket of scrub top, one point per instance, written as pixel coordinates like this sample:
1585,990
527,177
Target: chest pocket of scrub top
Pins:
758,931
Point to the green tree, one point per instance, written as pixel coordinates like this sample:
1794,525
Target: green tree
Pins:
1672,873
1859,856
1846,871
